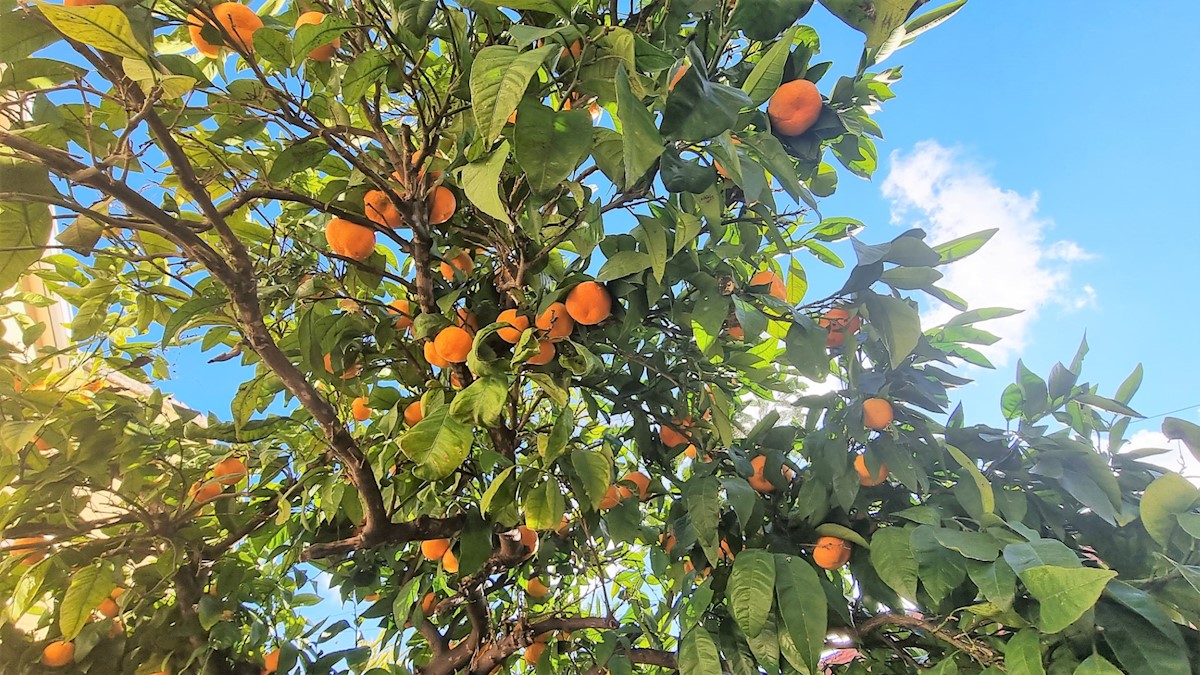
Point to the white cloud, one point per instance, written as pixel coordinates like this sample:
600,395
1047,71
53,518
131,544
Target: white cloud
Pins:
936,188
1178,459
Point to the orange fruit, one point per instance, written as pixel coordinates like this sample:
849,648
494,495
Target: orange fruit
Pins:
229,471
58,654
461,262
466,319
360,409
556,321
838,323
404,309
237,21
641,480
108,608
564,526
775,286
668,542
413,413
442,205
794,107
434,549
831,553
670,434
877,413
679,73
428,603
453,344
30,548
733,329
271,662
545,354
204,492
537,588
116,593
589,303
433,357
725,552
575,50
613,496
759,481
83,3
864,474
379,208
348,373
450,563
519,323
326,51
533,653
350,240
371,597
529,540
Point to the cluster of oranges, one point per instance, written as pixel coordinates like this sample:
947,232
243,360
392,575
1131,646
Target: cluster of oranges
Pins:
238,23
225,473
618,493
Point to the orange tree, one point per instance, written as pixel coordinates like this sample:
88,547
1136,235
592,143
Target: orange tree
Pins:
518,292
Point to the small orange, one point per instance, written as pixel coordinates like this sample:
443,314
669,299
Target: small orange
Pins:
670,434
379,208
564,527
229,471
442,205
466,319
556,321
108,608
529,540
453,344
733,329
864,474
533,653
575,50
831,553
775,286
325,52
668,542
58,654
724,551
428,604
589,303
413,413
641,480
404,309
839,323
350,240
237,21
545,354
371,597
450,563
433,357
206,491
360,410
794,107
877,413
348,373
116,593
434,549
613,496
461,262
31,549
519,323
537,588
271,662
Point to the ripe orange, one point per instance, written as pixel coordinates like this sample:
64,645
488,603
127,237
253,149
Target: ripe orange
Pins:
434,549
831,553
556,321
271,662
545,354
30,548
667,541
379,208
575,50
206,491
864,474
519,323
466,319
404,309
116,593
450,563
371,597
360,409
453,344
461,262
759,481
613,496
433,357
564,526
733,329
108,608
428,603
238,23
442,205
229,471
877,413
537,588
413,413
589,303
670,434
350,240
641,480
794,107
58,654
839,323
326,51
775,286
348,373
529,540
533,653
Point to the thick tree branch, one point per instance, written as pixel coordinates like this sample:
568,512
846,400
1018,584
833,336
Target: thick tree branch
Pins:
977,651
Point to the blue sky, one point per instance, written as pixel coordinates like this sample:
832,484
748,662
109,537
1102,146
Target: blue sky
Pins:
1063,123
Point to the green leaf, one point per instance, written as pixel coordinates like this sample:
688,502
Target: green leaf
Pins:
764,19
23,34
594,468
641,144
622,264
297,158
24,226
842,532
697,109
1107,404
551,445
698,653
1040,552
482,402
87,589
104,27
892,557
986,497
1023,654
1164,499
910,278
188,311
751,590
500,487
898,324
957,249
805,349
27,591
310,36
550,145
274,47
767,75
559,7
368,68
1137,644
1130,386
438,444
1181,430
701,496
653,237
544,506
481,183
499,77
1063,594
996,581
802,610
1095,664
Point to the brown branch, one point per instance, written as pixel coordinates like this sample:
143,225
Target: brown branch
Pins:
979,652
418,529
494,653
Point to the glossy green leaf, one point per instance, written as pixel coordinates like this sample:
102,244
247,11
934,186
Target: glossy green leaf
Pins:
751,590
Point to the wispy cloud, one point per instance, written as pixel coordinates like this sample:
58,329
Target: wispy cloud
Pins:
940,190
